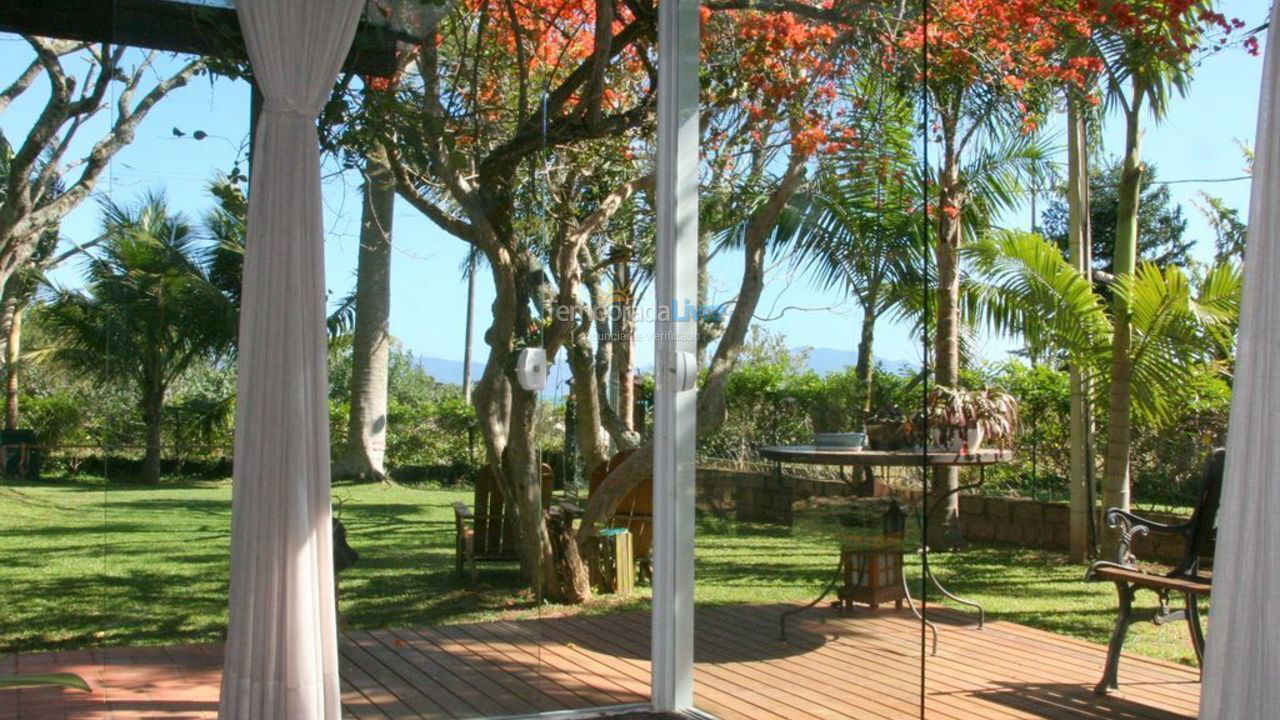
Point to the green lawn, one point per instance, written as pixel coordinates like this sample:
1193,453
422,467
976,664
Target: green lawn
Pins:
93,564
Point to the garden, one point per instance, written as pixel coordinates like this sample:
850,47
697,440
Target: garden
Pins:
124,564
1036,317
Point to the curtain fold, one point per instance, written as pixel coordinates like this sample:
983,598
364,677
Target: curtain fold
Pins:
281,653
1242,663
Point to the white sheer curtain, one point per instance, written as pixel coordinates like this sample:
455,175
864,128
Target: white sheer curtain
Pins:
281,655
1242,664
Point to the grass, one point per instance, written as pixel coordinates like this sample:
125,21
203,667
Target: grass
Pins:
93,564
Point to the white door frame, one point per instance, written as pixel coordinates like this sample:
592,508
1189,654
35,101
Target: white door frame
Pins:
676,285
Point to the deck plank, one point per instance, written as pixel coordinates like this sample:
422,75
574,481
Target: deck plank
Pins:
865,664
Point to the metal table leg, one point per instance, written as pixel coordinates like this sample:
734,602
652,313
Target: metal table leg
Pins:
911,603
825,592
982,613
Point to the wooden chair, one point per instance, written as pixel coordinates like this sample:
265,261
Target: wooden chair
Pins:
489,533
635,512
1189,578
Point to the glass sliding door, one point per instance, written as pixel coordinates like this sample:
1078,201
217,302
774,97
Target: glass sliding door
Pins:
815,290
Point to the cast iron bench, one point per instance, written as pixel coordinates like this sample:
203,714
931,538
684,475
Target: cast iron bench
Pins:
1187,579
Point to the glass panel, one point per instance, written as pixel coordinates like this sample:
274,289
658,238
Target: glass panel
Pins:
116,501
511,617
809,534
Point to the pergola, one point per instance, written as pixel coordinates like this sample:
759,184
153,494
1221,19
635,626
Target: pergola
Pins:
199,27
281,659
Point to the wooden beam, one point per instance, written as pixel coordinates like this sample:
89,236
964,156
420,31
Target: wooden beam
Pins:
171,25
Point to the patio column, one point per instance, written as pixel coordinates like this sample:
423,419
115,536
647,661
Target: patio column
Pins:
1242,661
281,653
676,286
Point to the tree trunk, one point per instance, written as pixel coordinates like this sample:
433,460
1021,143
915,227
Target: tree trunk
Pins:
865,363
711,397
153,419
469,328
593,442
624,348
506,415
571,572
12,360
944,520
864,366
1119,430
1081,424
707,332
371,342
524,484
607,329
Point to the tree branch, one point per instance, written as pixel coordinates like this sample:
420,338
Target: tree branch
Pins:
120,135
799,9
20,84
711,397
593,102
556,99
498,168
569,270
407,189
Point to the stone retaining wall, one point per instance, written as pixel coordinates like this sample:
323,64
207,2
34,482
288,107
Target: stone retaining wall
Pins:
1033,523
754,496
759,496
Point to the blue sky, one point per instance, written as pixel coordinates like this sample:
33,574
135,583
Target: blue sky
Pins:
1197,140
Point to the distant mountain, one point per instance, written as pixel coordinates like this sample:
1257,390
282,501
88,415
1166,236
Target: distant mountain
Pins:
821,361
449,372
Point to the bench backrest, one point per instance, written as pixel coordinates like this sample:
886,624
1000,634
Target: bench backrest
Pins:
495,528
1203,525
635,511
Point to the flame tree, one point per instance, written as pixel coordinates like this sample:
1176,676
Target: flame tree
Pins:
524,129
987,70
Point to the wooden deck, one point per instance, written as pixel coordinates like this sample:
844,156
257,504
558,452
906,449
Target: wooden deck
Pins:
865,665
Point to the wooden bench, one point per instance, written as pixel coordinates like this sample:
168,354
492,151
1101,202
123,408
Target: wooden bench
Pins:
489,533
635,511
1189,578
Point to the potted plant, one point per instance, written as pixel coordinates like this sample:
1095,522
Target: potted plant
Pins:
887,429
834,418
998,416
962,420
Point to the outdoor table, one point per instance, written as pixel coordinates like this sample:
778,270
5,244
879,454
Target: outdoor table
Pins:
850,457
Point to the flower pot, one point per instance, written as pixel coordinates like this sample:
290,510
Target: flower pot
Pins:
973,438
885,436
853,440
956,440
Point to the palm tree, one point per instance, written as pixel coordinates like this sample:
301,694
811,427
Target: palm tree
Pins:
1146,61
371,338
860,231
1178,324
976,183
148,309
1078,254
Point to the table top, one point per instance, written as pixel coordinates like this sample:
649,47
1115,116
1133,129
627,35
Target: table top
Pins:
815,455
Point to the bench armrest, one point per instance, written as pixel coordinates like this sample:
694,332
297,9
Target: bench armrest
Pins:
1131,526
461,511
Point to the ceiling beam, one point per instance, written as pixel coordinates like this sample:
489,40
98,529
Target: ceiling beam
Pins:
173,26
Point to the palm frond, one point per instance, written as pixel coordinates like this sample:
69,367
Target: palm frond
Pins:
1021,285
342,319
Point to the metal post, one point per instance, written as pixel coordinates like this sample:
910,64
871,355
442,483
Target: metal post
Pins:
676,290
